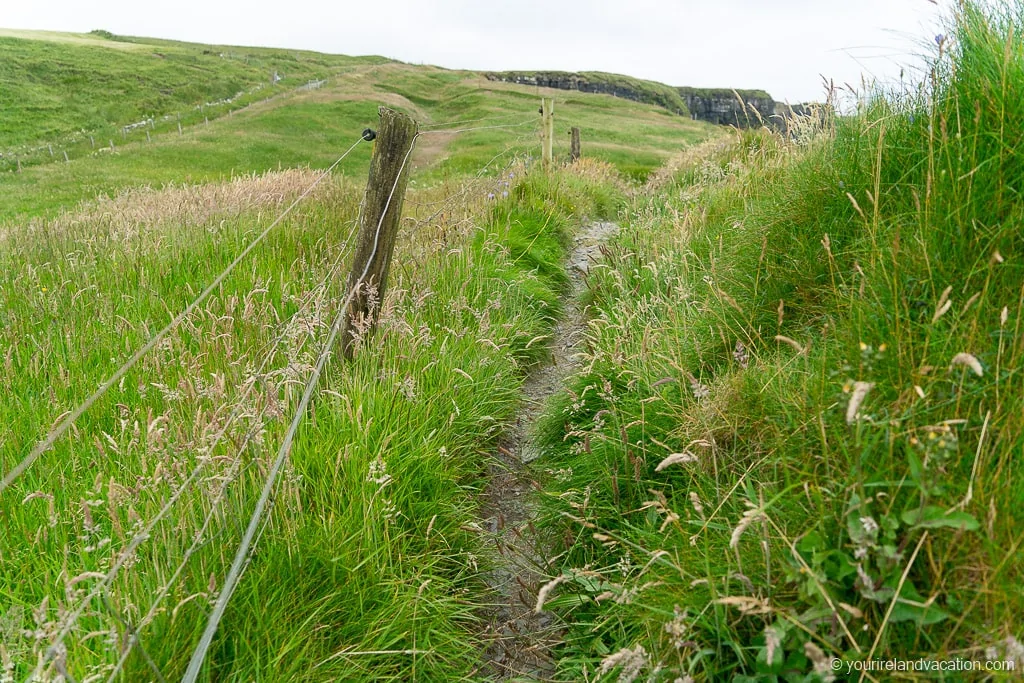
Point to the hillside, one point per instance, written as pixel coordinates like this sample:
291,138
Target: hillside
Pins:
298,125
706,404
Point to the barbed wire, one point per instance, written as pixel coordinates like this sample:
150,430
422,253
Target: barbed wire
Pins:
242,554
258,425
70,418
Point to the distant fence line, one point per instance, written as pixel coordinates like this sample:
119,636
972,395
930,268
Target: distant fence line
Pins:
83,144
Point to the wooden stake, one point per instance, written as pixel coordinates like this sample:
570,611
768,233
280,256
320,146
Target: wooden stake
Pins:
92,141
547,124
574,144
179,128
111,145
148,139
378,225
66,160
51,149
19,165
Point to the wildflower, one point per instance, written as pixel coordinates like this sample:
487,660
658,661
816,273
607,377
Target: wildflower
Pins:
505,193
870,525
490,195
940,39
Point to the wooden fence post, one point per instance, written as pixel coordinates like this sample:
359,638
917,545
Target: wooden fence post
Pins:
574,144
547,128
378,225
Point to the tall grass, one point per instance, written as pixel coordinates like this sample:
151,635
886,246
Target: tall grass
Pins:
796,436
369,567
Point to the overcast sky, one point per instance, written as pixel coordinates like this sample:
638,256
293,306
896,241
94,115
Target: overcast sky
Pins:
782,46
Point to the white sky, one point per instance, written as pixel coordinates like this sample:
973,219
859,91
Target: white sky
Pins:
782,46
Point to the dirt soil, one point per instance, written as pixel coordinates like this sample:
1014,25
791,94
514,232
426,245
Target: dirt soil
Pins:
521,641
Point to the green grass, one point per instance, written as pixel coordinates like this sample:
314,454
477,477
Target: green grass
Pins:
62,88
755,292
314,128
350,562
758,285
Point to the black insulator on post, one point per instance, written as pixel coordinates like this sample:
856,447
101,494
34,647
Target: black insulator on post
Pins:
369,134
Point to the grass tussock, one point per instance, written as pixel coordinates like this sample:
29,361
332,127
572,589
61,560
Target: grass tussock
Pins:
796,436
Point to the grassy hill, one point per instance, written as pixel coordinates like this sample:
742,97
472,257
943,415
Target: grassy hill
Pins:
296,127
792,440
60,88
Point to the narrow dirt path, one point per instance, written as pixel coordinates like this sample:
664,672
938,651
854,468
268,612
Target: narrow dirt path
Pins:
521,641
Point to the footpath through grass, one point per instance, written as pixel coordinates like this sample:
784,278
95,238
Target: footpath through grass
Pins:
369,567
798,435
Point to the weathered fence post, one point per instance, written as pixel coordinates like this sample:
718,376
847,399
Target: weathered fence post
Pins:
179,128
378,225
92,141
50,147
66,160
547,128
574,144
19,165
148,139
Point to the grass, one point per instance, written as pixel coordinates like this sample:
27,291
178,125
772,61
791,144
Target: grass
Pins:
793,435
368,567
61,89
313,128
796,435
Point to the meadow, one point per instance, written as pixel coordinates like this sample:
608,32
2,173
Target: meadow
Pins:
793,436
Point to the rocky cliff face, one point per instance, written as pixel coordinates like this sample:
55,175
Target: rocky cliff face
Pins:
727,107
625,87
721,106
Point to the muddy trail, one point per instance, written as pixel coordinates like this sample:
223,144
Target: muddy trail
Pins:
521,641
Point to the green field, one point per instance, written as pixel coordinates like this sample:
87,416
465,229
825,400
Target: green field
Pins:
793,435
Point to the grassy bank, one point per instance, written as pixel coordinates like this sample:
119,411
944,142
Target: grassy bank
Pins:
797,434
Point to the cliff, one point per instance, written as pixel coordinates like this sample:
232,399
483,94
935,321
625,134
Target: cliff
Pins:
722,106
629,88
